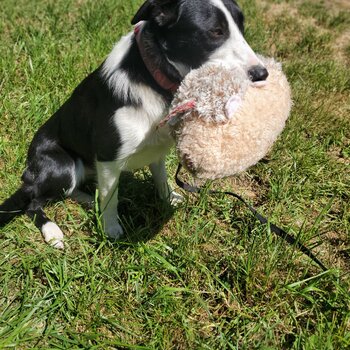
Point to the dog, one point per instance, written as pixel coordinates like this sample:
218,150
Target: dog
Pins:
110,122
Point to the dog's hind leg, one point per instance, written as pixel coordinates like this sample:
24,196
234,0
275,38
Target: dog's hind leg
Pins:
52,173
51,232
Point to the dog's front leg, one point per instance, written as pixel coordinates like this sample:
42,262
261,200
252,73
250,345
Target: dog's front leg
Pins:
160,179
108,174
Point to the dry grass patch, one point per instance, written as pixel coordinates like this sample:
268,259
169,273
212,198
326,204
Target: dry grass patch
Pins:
330,12
337,5
341,47
244,184
340,154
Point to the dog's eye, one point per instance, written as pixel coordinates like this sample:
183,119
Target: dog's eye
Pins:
217,32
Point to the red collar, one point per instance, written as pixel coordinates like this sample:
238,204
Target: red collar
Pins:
162,80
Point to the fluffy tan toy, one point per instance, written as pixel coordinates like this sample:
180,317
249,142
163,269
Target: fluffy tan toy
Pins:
223,123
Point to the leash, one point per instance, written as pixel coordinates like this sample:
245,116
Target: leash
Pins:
275,229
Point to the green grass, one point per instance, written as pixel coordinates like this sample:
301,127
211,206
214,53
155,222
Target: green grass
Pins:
206,275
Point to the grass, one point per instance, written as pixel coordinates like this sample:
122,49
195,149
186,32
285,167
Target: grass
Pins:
206,275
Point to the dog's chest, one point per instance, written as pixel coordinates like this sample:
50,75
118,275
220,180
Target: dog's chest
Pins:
143,141
154,147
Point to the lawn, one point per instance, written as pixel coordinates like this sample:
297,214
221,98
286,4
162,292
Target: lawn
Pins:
205,275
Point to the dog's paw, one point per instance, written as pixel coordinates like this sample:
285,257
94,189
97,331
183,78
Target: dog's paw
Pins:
175,198
114,231
53,235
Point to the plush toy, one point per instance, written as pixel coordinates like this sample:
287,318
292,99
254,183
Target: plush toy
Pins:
223,123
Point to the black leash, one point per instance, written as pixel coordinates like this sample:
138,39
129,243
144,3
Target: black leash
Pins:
278,231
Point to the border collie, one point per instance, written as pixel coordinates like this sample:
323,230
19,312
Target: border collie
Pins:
110,122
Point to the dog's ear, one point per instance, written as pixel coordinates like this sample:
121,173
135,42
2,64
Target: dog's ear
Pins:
162,12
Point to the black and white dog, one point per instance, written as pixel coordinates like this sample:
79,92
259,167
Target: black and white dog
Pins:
110,123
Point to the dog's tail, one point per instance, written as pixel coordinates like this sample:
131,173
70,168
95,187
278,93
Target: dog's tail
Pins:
15,205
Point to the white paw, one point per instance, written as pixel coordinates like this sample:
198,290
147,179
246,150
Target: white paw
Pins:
175,198
53,235
114,230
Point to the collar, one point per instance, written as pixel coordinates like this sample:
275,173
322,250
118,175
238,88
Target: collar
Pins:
162,80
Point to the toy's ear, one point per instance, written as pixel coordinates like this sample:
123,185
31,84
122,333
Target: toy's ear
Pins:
162,12
232,106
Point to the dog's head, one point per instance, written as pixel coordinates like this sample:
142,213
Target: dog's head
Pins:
194,32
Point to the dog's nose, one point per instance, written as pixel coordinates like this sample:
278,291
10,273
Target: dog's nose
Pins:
258,73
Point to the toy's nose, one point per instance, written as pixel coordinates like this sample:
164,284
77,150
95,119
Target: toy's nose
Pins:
258,73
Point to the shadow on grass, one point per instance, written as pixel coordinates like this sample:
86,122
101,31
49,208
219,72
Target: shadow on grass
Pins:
142,212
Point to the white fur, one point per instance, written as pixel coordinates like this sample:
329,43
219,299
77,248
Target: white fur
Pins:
53,235
142,141
108,174
118,80
77,176
235,52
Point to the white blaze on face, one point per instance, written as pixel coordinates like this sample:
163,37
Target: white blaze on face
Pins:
235,52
